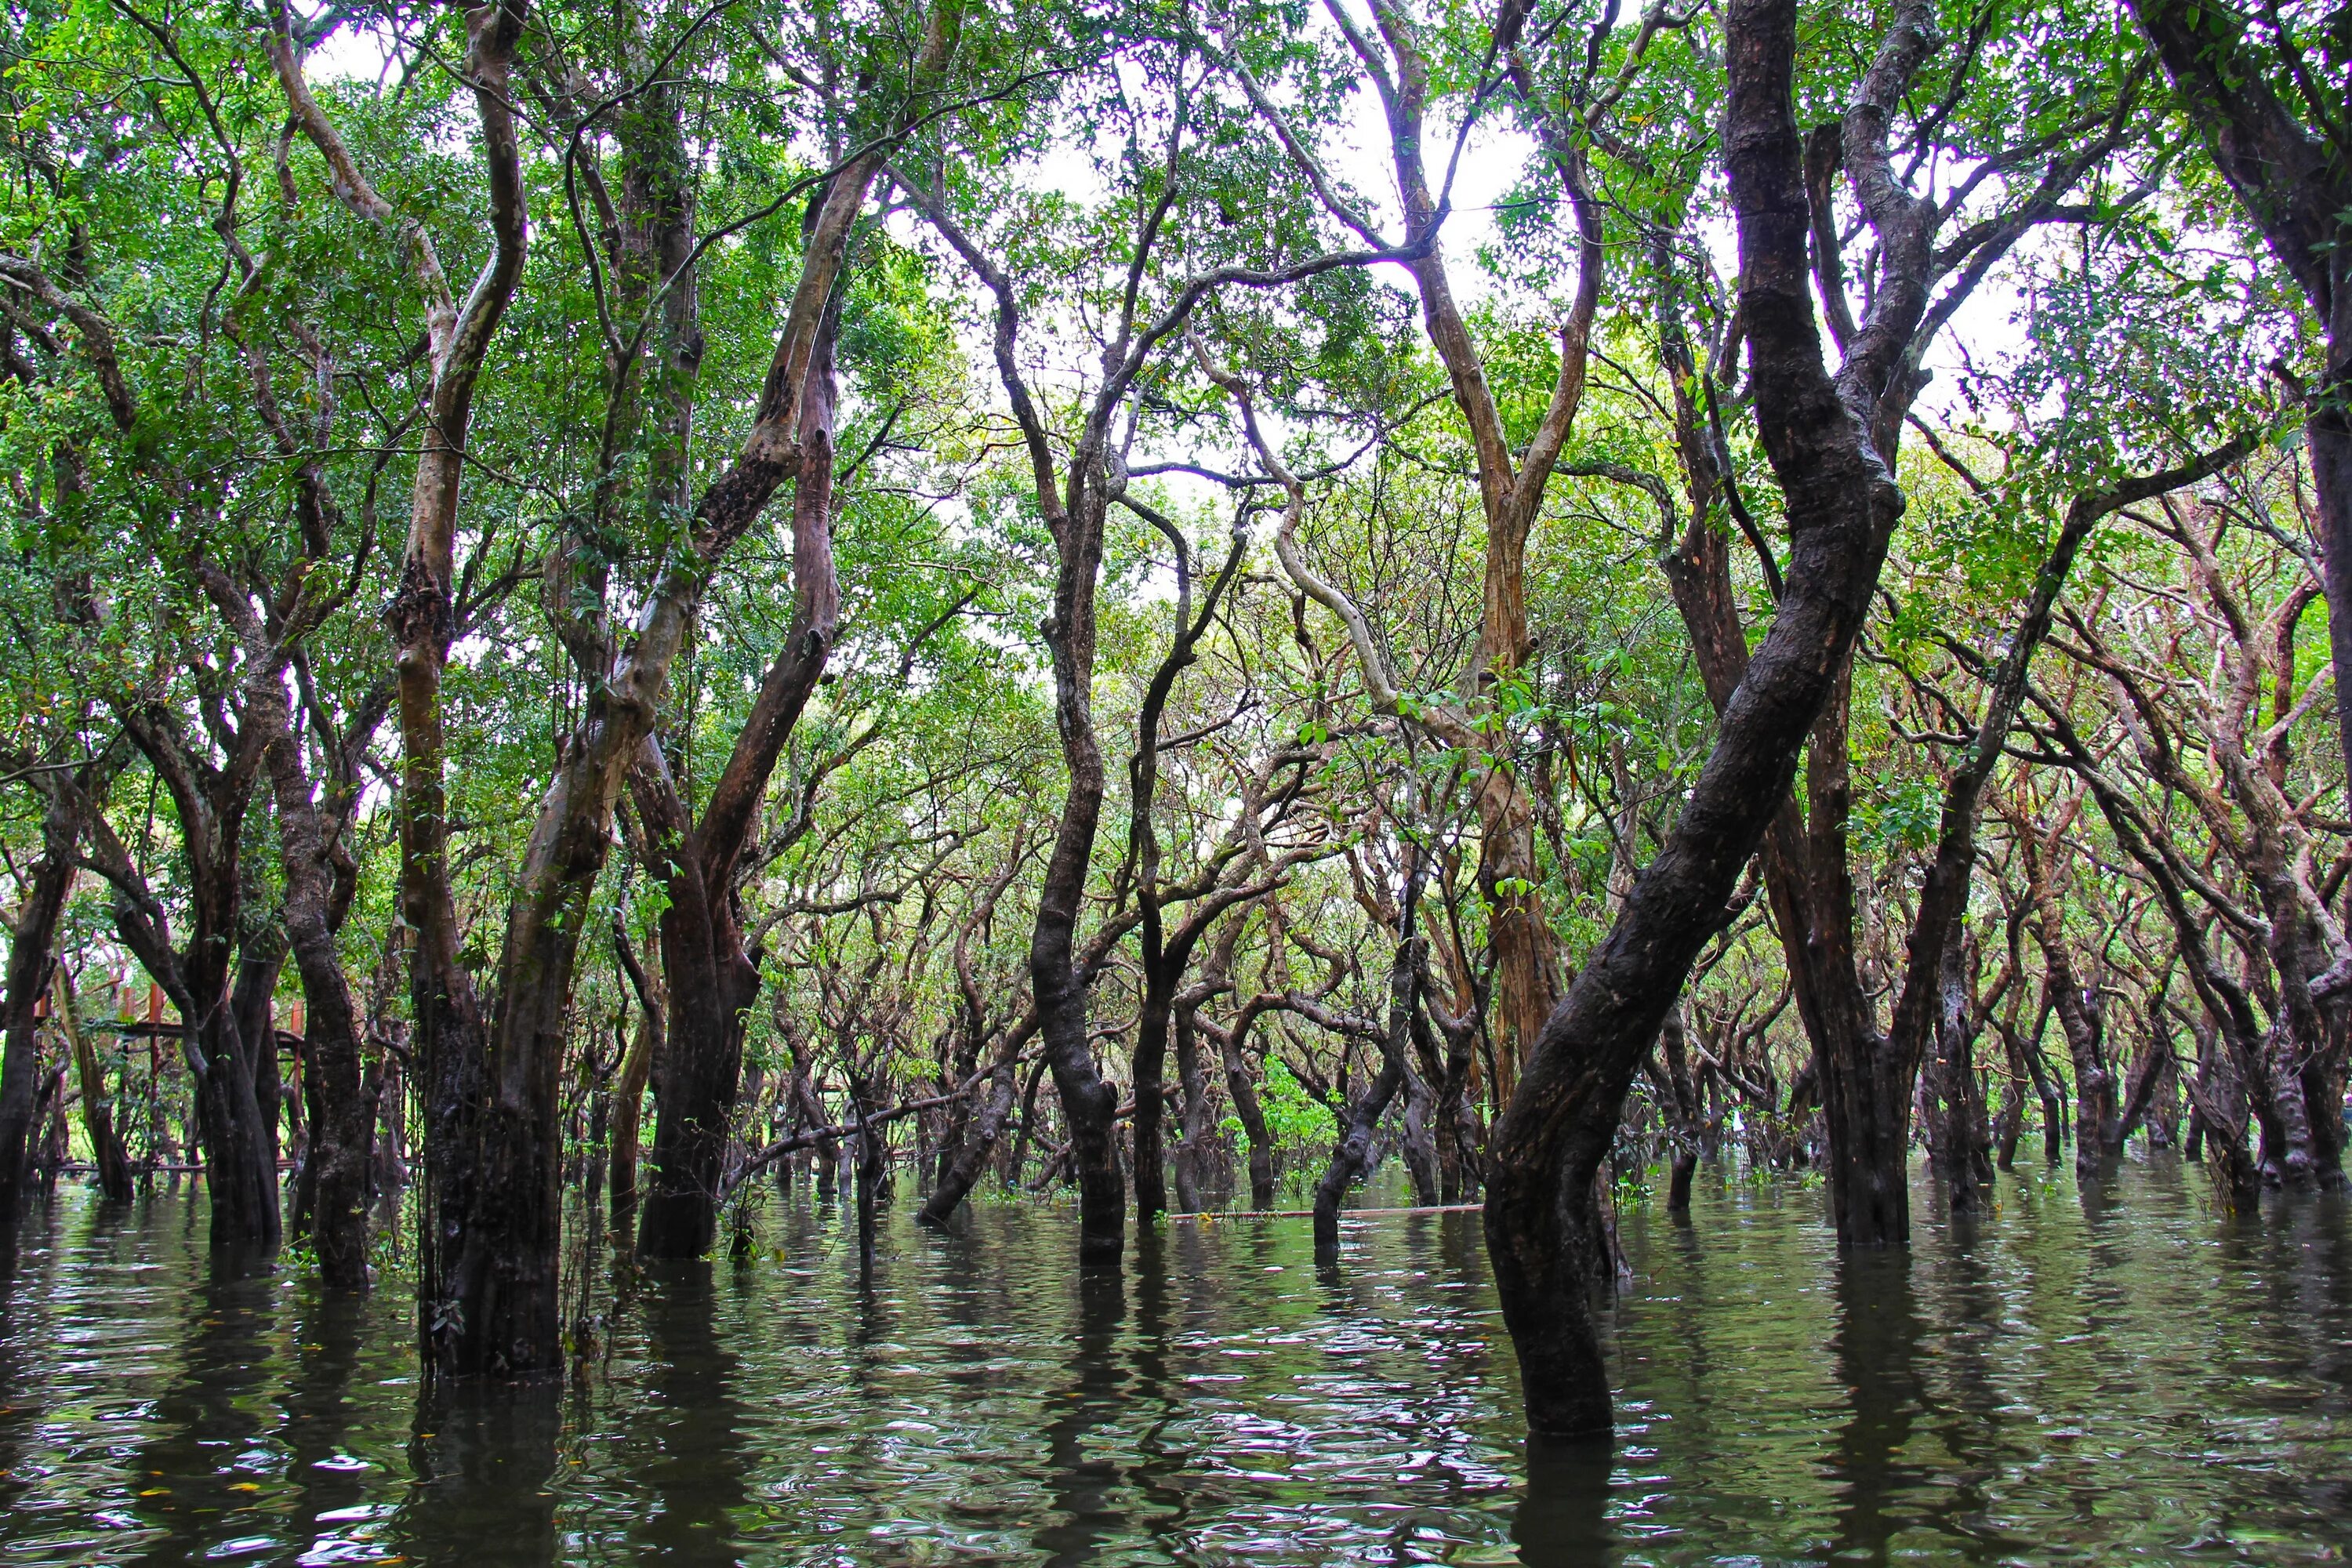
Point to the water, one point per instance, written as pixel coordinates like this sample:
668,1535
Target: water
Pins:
2129,1377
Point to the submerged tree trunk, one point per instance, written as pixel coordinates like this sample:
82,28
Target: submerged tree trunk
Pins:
98,1107
974,1134
1166,953
1089,1101
321,879
480,1307
504,1268
1960,1148
1543,1226
1353,1156
2082,1017
1241,1088
646,1044
29,956
1678,1099
961,1171
240,1170
219,1016
713,979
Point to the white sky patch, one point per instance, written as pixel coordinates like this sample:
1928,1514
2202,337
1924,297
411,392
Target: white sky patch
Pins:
355,51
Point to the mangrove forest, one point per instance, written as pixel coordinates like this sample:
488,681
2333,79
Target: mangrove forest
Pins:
872,781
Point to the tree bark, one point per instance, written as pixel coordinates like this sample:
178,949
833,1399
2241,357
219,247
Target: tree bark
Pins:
961,1171
1241,1088
712,977
1352,1155
1192,1116
1543,1226
1960,1148
31,942
1166,953
321,879
492,1274
482,1305
98,1107
1678,1100
222,1005
645,1048
973,1134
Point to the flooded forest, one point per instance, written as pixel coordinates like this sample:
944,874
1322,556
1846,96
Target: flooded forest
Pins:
1176,781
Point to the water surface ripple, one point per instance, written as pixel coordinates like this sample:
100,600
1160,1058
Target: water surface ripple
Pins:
2114,1376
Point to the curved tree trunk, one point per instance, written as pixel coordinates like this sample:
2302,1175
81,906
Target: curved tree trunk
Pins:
1148,1067
1352,1155
240,1170
1678,1098
1543,1228
712,978
1089,1101
1191,1150
961,1171
1962,1145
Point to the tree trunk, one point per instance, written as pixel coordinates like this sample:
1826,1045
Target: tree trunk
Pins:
342,1115
710,982
1089,1102
97,1106
1866,1079
320,878
629,1089
1192,1150
1241,1088
1543,1225
1353,1156
1457,1131
463,1317
1417,1144
1958,1150
29,957
240,1174
1678,1100
961,1171
388,1173
2082,1017
712,978
2045,1092
1149,1070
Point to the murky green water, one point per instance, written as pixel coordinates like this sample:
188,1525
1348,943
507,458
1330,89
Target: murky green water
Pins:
2132,1378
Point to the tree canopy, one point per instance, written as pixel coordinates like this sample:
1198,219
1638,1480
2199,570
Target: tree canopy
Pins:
1164,597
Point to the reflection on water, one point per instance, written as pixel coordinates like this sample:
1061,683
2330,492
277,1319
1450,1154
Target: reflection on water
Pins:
2134,1377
